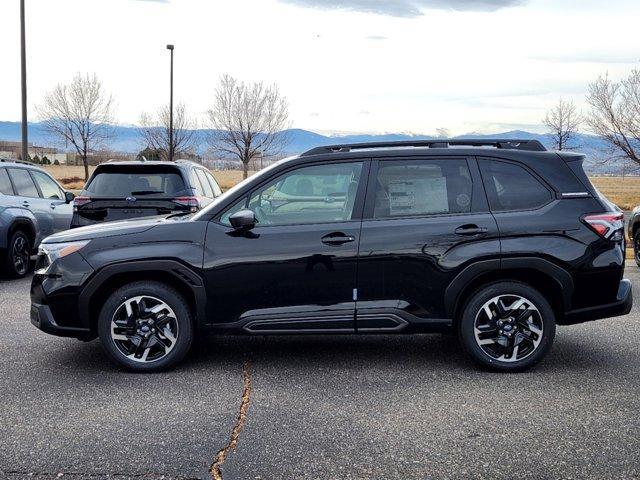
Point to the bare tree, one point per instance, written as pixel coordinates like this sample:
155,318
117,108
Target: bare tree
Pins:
154,130
247,120
80,113
615,113
563,121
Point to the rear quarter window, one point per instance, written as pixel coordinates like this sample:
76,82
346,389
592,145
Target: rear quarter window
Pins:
5,183
512,187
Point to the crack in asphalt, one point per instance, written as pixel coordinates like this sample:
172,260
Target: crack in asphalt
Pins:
221,456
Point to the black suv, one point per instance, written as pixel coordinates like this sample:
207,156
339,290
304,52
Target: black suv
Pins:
497,241
120,190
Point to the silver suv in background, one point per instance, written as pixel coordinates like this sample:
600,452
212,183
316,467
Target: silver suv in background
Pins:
32,206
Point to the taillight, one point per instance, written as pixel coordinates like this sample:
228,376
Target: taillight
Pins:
192,202
608,225
80,201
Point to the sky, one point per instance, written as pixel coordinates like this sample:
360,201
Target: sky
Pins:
346,66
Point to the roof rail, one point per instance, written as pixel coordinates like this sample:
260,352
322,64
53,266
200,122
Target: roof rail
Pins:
511,144
14,160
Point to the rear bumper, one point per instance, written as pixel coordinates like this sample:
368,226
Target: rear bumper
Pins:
622,306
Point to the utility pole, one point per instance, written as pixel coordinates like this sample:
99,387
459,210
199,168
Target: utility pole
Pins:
170,47
23,66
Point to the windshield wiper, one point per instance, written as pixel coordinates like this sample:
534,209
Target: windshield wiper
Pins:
147,192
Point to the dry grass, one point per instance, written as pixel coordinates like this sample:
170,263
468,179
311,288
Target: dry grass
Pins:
624,192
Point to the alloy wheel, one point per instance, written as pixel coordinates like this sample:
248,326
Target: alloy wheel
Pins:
508,328
20,255
144,329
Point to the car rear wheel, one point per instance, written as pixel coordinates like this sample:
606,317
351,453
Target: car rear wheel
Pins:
146,326
18,255
507,326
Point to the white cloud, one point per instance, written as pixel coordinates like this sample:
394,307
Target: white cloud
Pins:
459,68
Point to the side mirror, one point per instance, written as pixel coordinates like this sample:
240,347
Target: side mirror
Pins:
69,196
244,220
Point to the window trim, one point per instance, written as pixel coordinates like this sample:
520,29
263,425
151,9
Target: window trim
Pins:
358,207
552,193
475,190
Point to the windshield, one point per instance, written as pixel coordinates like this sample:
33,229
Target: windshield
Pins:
123,181
229,193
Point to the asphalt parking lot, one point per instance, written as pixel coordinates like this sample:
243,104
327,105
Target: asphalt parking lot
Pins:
408,407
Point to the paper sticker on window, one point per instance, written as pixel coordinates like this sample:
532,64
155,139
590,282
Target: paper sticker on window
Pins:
418,196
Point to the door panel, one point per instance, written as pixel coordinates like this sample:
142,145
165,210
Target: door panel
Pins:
430,220
281,273
296,269
53,196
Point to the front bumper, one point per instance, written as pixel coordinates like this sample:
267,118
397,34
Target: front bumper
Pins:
54,298
42,318
622,306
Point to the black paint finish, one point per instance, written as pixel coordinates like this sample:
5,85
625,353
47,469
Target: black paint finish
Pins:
402,274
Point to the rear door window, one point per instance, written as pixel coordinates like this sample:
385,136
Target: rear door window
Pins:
123,181
512,187
217,191
48,187
422,187
5,184
208,191
23,182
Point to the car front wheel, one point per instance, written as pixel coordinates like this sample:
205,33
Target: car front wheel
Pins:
507,326
146,326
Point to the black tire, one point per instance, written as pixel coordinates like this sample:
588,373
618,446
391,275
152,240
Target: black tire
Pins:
180,326
532,316
636,247
18,255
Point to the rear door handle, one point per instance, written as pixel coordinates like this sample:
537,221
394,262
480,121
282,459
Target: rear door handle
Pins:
25,203
470,230
337,238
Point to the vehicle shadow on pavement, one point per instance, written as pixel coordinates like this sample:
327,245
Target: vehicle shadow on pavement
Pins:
433,352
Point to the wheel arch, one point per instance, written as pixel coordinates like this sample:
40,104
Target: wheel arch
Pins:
172,273
551,280
23,224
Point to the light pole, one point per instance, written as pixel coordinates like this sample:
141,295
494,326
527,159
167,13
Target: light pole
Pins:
170,47
23,71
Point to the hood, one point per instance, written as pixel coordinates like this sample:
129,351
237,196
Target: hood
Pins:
108,229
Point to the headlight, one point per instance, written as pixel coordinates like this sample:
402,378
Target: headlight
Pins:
53,251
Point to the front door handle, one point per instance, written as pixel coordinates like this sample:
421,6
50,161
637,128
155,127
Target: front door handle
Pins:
470,230
52,205
337,238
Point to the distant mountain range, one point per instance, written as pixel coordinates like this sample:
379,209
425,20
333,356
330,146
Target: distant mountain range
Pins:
127,139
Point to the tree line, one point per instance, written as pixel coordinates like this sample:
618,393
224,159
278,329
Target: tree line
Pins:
246,120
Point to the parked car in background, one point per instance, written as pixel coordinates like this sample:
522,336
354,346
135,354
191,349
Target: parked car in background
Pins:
32,206
120,190
633,230
497,241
